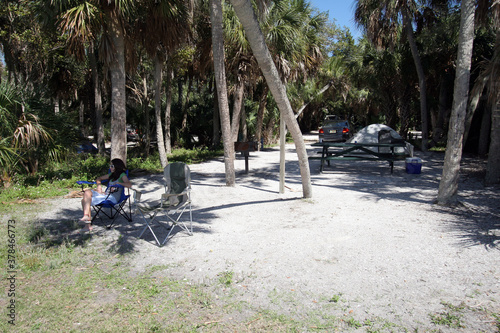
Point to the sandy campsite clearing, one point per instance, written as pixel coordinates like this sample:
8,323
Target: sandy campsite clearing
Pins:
369,245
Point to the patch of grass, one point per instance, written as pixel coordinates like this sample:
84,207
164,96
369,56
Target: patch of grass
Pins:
20,192
226,278
352,322
57,179
86,283
335,298
196,155
381,325
446,319
270,321
440,149
497,319
451,318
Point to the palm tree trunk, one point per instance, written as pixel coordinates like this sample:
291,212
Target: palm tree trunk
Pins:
243,122
99,128
220,81
81,114
237,107
168,108
492,168
216,121
118,110
484,132
421,79
245,13
145,109
159,127
448,186
260,114
476,94
439,123
185,108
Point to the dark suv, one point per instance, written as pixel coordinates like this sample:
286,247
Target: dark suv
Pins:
334,130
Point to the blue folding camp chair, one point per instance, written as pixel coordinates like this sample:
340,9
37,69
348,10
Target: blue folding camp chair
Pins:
110,209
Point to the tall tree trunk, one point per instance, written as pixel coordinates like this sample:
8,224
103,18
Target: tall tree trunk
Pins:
216,121
243,122
145,108
118,110
405,112
81,114
237,107
448,186
185,108
492,168
421,79
220,81
439,124
168,108
484,133
245,13
159,128
260,114
476,93
99,127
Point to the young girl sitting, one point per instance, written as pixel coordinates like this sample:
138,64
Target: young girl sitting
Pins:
117,175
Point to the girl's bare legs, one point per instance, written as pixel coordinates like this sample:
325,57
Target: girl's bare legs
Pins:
86,201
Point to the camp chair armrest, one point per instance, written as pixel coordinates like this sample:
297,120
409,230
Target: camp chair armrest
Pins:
165,197
84,182
168,195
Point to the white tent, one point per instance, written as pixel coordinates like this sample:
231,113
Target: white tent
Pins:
370,134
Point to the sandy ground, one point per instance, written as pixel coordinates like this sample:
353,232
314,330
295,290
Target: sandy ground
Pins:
373,239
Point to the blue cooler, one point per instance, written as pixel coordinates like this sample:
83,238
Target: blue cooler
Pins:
413,165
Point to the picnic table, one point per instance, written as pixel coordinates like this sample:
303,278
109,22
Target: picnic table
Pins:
359,151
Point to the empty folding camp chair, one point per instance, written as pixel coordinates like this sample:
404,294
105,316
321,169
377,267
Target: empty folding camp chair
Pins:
110,209
174,202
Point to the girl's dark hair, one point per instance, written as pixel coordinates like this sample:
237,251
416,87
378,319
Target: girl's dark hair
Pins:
119,169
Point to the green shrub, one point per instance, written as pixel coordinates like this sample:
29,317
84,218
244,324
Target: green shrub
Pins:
57,178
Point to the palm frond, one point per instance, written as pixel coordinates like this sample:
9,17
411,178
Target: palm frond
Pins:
30,132
8,155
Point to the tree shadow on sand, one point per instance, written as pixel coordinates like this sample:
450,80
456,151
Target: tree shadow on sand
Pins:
476,217
476,220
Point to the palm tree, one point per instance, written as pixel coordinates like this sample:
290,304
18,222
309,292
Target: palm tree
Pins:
82,22
381,20
492,169
163,27
492,72
216,17
244,10
292,34
448,186
240,64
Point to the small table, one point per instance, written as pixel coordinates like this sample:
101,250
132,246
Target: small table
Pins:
359,151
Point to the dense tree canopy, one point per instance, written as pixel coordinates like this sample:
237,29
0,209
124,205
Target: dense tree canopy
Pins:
97,65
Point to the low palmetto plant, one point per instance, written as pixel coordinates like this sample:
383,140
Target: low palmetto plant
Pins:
21,135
